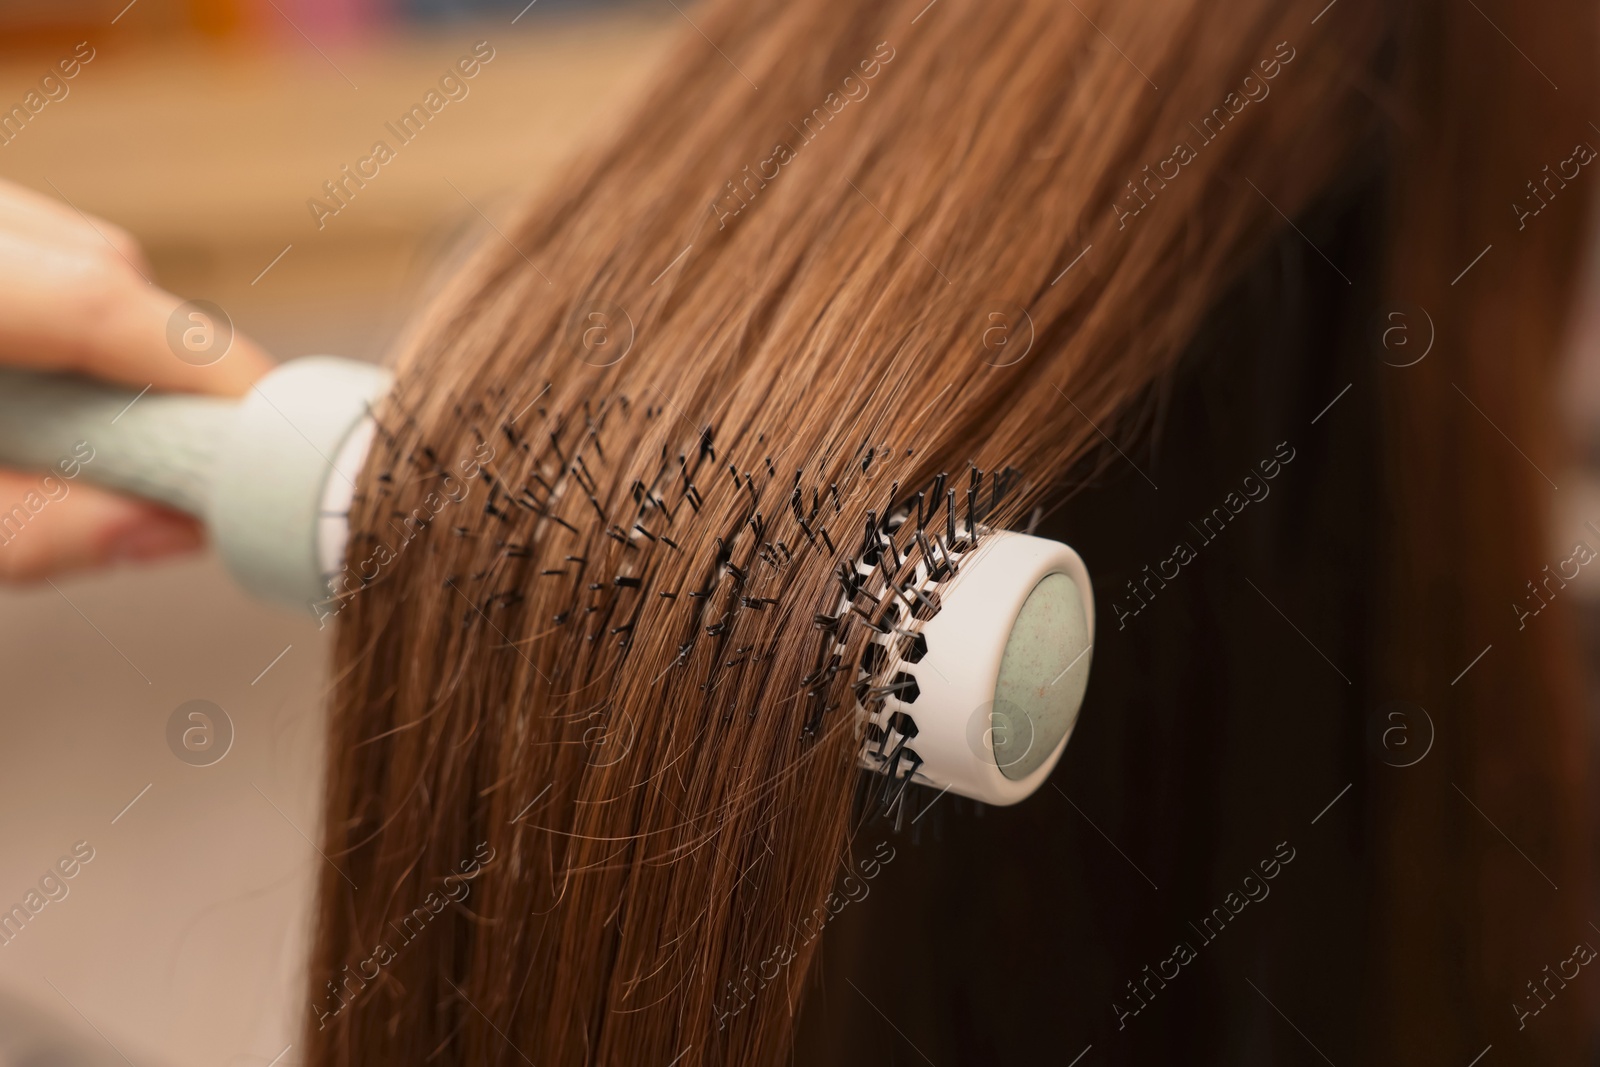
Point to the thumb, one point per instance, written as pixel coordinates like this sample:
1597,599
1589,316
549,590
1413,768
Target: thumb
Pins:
50,526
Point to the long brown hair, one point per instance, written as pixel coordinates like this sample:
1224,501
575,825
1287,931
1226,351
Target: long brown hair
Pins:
589,762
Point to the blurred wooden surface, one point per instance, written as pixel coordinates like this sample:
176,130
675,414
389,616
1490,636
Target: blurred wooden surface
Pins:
182,942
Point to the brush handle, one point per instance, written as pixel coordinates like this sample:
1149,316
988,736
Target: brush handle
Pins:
158,446
257,470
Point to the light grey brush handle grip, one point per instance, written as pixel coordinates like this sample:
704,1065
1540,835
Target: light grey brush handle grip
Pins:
260,471
158,446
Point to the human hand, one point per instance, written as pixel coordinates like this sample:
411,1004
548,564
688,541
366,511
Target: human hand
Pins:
76,297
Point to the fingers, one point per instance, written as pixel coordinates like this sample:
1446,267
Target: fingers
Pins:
76,296
25,212
56,527
85,310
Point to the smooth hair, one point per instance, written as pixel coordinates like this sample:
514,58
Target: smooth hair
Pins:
771,308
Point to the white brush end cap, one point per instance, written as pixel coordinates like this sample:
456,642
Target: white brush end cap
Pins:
286,443
998,689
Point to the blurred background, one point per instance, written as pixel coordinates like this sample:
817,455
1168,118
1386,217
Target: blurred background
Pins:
204,127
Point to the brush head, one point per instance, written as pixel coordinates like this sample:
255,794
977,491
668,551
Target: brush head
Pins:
983,698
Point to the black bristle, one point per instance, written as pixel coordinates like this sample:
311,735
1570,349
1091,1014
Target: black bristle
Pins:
850,579
894,551
580,474
878,626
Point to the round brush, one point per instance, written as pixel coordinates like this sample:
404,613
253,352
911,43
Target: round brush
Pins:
971,682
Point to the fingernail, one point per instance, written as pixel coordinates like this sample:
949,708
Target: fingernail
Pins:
154,540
